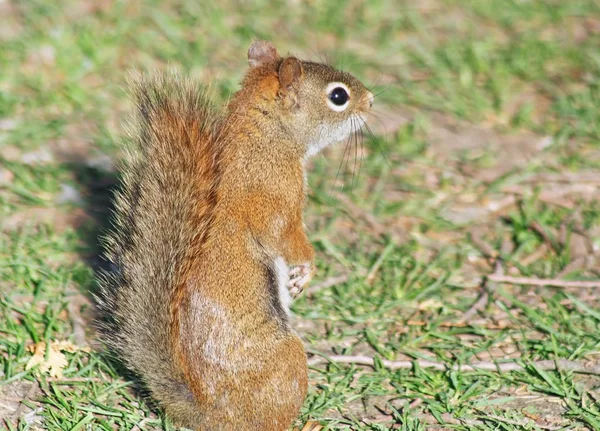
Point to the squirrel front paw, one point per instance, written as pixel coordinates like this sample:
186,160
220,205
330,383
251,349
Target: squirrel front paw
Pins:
300,275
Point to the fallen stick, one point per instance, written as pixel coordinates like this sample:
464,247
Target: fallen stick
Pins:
333,281
361,213
565,177
329,282
543,281
546,365
487,289
31,394
447,419
373,272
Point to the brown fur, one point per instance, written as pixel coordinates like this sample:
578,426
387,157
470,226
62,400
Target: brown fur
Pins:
208,203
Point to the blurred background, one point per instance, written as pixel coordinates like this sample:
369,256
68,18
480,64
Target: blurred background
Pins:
479,177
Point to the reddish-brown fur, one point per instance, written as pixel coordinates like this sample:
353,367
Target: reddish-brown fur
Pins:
208,204
260,188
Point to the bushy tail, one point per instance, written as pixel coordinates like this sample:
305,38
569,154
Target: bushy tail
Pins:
162,215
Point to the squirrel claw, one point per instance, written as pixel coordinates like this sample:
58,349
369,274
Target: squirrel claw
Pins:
296,285
299,277
303,269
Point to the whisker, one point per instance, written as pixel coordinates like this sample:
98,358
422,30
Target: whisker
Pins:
362,148
349,147
339,169
377,143
380,121
370,87
375,111
382,91
355,126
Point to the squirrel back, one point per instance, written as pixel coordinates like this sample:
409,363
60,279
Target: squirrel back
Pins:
209,245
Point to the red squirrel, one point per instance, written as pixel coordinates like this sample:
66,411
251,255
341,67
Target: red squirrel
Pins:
209,245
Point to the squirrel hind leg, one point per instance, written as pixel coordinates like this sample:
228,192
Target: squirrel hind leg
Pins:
178,402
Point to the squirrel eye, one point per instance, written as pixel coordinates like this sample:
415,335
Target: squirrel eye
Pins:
338,96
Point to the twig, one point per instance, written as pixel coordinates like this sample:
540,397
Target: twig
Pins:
361,213
416,403
77,321
565,177
30,395
576,264
74,380
329,282
546,365
486,249
487,289
507,245
140,425
551,197
544,281
496,207
523,424
458,324
536,255
447,419
537,228
371,276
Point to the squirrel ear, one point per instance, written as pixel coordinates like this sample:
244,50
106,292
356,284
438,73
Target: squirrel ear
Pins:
261,52
290,72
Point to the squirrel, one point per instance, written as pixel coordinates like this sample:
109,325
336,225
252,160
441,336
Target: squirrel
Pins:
208,245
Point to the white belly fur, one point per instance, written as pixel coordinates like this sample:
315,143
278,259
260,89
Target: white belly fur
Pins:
282,274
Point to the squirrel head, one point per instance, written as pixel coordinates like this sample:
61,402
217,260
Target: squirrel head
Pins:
314,103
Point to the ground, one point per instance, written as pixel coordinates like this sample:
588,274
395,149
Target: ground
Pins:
481,168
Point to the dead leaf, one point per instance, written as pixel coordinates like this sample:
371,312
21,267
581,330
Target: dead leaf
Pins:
430,304
56,360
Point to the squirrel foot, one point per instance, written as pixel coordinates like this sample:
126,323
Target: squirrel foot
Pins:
299,275
310,426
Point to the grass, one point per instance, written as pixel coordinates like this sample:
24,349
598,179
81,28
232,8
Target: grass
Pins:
486,125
